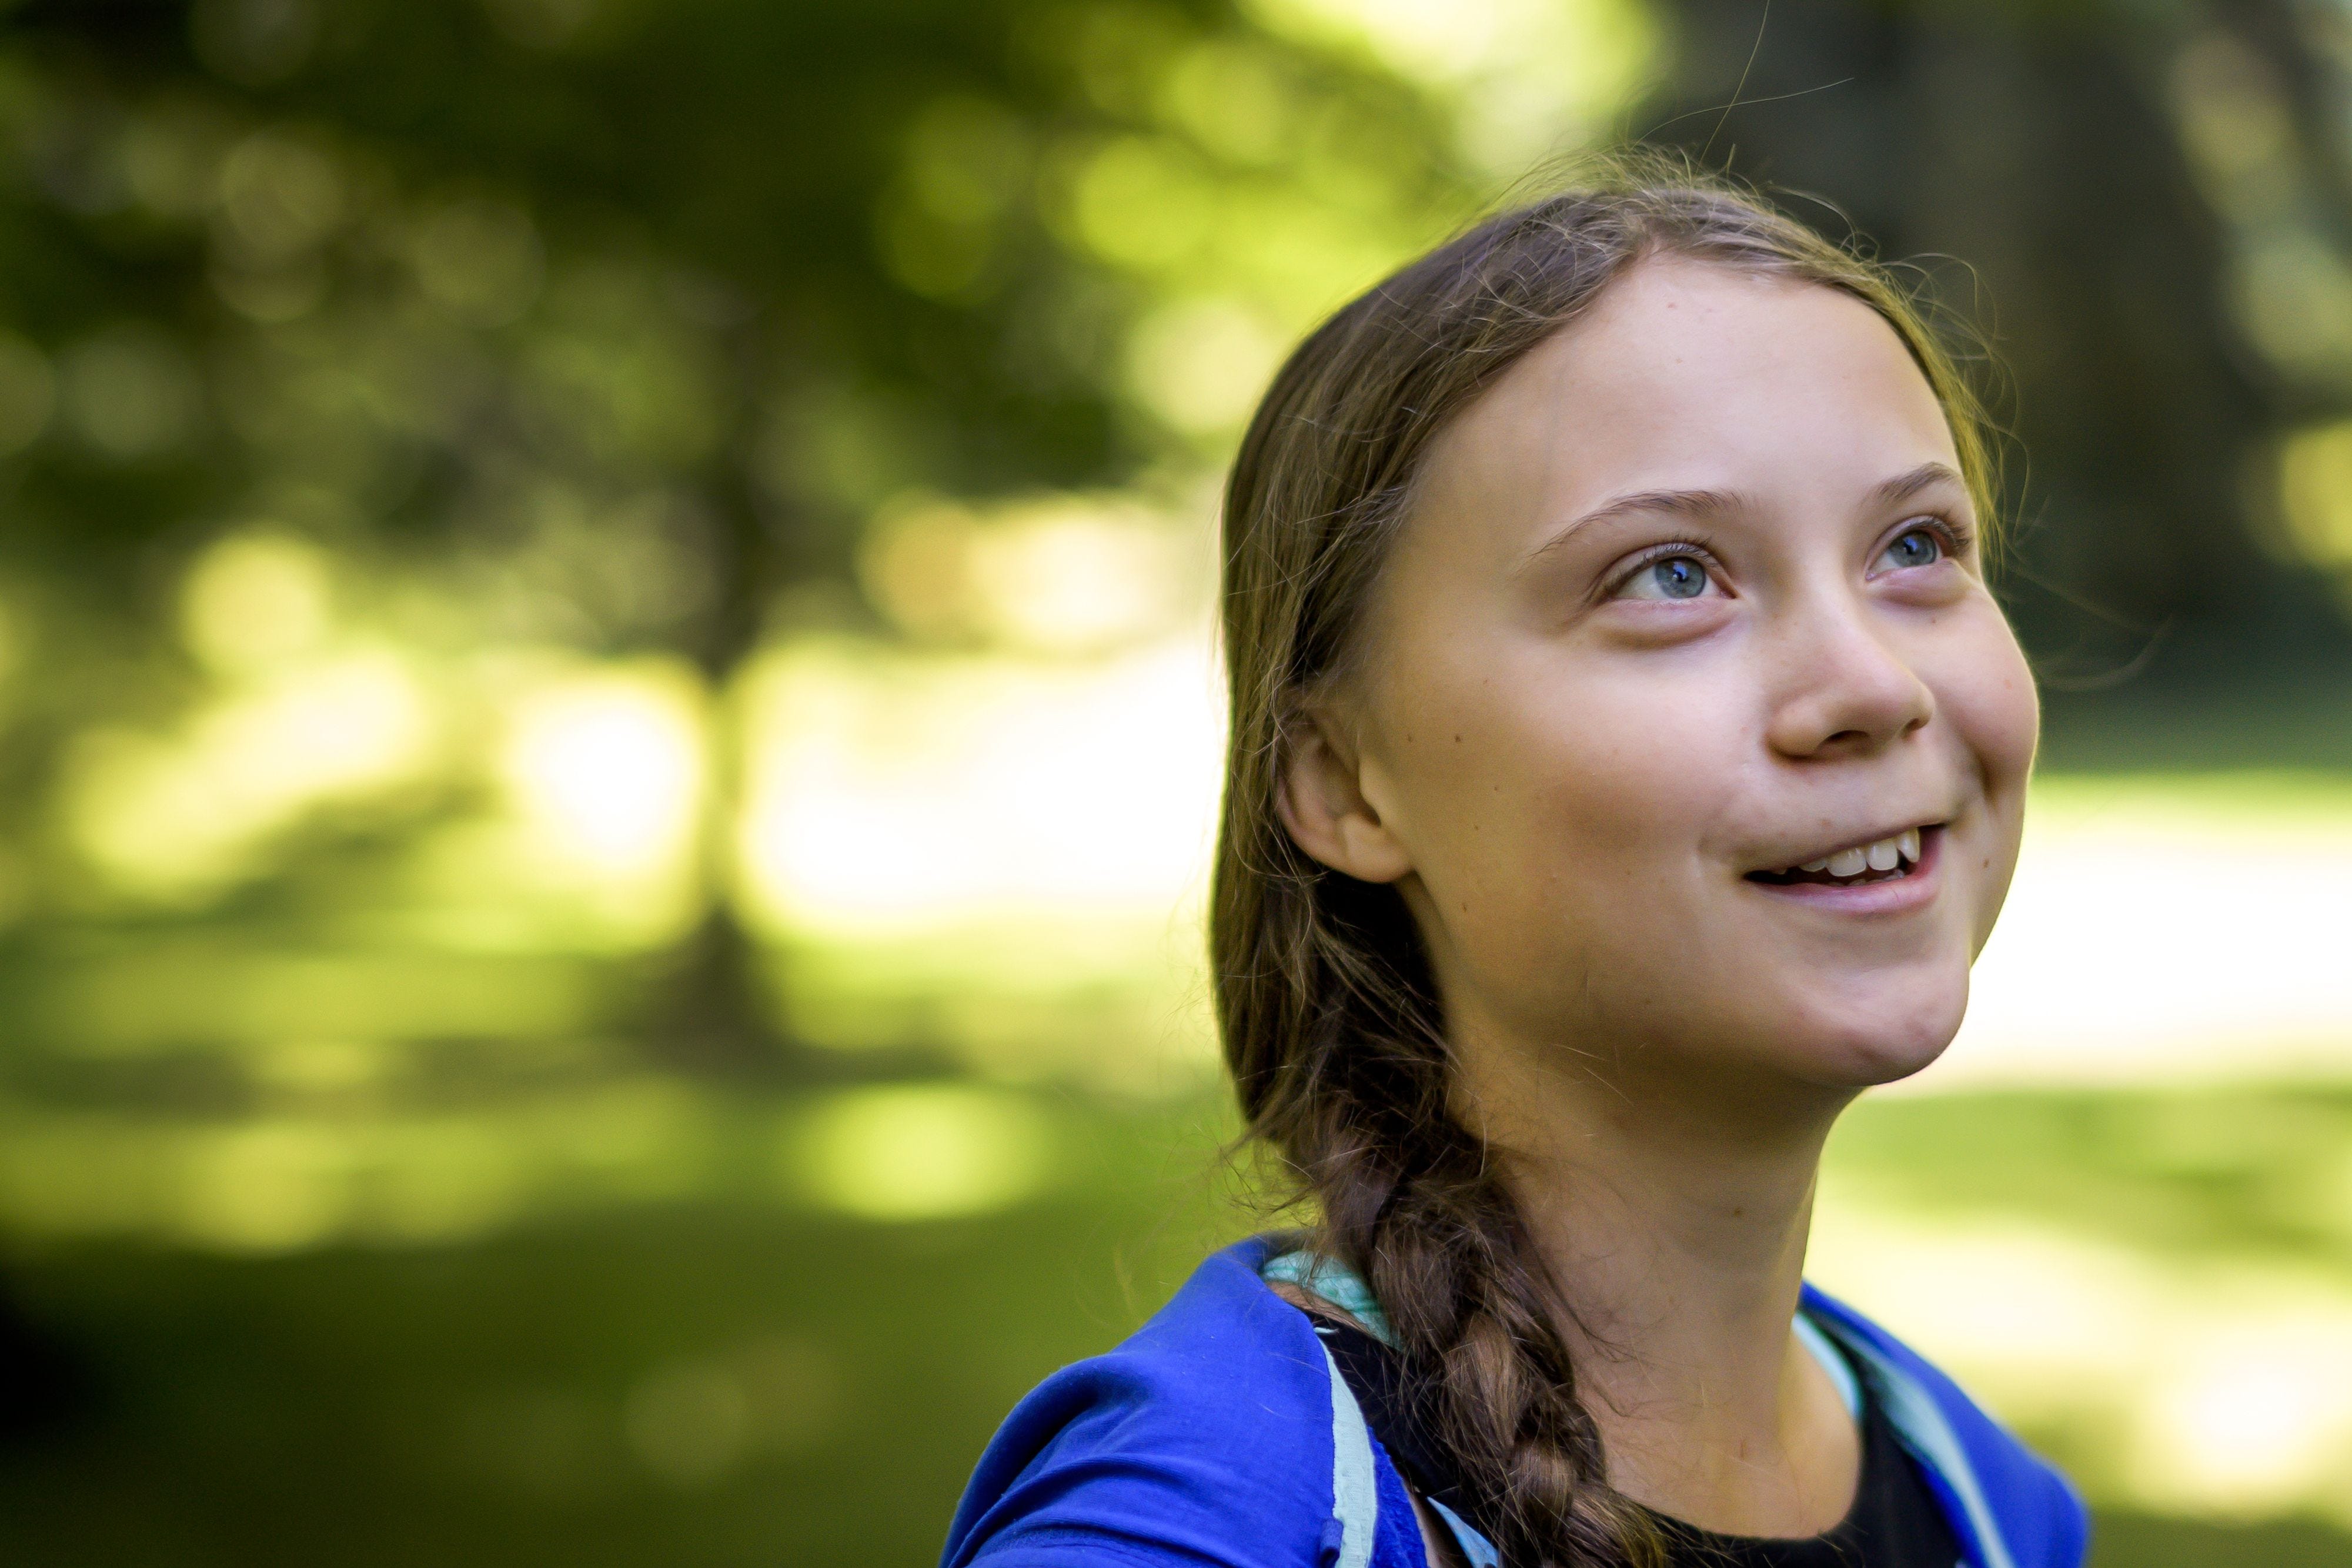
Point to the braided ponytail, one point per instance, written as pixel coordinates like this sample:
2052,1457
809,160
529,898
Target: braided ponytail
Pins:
1331,1028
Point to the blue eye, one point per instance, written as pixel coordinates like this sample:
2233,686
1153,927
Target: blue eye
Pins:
1676,577
1916,547
1681,575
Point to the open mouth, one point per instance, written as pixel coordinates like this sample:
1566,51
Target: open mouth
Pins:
1882,860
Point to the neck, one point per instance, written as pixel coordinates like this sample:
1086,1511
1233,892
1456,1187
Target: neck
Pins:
1673,1217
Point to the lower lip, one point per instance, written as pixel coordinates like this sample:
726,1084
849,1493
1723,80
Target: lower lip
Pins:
1914,890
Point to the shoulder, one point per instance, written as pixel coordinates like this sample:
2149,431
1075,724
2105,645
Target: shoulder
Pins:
2022,1512
1206,1439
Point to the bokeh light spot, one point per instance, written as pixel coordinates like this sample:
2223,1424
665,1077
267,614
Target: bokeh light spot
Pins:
607,768
267,1187
254,599
2315,489
478,259
902,793
2255,1418
1202,364
1228,96
924,1152
1141,202
181,814
280,196
129,391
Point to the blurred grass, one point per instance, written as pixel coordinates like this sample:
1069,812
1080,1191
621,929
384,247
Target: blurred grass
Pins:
2180,1173
504,1400
719,1377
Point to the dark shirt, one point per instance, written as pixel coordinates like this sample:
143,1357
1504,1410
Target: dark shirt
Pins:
1894,1522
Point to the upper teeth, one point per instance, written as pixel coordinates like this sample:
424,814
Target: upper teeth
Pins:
1885,854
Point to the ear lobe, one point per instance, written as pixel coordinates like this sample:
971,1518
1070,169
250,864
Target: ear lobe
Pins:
1321,802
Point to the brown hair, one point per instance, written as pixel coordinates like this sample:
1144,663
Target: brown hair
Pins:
1330,1022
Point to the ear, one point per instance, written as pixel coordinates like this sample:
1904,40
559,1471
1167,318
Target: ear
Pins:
1321,800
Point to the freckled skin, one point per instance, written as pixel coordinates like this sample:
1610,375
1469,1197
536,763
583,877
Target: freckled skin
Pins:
1576,856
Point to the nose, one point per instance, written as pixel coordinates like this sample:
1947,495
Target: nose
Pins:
1844,689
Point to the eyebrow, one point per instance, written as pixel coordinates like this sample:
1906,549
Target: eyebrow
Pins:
1903,486
1704,502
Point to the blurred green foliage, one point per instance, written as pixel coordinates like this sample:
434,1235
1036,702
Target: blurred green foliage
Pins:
364,364
412,411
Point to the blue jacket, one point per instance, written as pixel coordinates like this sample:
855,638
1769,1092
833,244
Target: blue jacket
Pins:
1222,1434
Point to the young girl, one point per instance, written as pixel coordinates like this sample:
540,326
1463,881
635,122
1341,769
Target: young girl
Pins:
1627,763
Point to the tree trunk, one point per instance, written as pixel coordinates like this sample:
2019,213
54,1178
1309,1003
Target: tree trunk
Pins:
709,1013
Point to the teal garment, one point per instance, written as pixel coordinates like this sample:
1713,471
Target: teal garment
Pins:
1336,1283
1345,1289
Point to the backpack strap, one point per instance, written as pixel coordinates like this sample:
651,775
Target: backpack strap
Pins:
1925,1431
1373,1371
1373,1374
1355,1483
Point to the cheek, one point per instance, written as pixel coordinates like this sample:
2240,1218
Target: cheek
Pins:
1998,718
1996,710
1555,811
1995,715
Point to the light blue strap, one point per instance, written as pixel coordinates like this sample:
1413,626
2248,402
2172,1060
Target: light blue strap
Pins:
1476,1548
1840,1369
1355,1489
1336,1283
1912,1411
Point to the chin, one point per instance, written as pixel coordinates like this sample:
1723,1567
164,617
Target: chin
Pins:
1860,1045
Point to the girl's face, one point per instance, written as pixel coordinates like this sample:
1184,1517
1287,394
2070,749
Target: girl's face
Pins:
1691,599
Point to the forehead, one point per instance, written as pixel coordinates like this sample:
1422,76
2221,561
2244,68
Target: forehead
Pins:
1691,376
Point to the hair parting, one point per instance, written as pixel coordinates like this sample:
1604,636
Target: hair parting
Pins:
1331,1026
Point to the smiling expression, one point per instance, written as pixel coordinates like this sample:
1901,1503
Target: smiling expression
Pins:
1690,599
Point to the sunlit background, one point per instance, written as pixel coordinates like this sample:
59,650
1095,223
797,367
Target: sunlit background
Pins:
610,733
